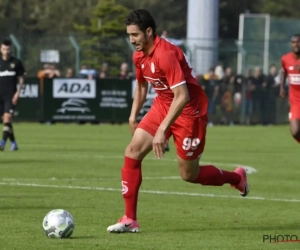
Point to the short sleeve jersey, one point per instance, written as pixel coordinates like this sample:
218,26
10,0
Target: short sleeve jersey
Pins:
292,67
165,68
10,70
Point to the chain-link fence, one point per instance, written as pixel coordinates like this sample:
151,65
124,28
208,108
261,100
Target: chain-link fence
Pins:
242,100
71,52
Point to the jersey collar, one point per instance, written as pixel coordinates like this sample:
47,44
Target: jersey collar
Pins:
156,42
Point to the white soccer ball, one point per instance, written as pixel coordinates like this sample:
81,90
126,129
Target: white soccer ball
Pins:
58,224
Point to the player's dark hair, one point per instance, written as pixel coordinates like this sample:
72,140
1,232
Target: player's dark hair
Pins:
296,35
142,18
6,42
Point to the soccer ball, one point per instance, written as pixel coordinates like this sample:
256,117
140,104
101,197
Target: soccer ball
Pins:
58,224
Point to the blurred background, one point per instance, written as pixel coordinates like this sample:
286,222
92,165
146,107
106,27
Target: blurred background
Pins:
234,46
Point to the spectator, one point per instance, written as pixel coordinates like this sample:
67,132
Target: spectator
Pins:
124,71
227,105
87,72
212,90
273,93
164,34
104,71
49,71
249,89
70,73
219,71
260,96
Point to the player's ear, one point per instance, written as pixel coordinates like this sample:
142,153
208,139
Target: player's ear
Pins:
149,32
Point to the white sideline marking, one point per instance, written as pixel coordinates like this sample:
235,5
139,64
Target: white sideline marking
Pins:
249,169
88,179
146,191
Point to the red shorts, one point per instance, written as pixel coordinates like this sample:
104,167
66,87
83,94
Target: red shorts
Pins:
294,112
188,132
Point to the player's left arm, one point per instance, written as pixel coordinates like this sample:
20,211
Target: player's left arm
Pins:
170,65
20,72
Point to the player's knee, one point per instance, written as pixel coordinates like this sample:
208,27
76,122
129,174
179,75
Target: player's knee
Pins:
187,176
6,118
295,132
134,151
188,169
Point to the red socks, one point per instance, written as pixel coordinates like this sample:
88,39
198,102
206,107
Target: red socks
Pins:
131,181
212,176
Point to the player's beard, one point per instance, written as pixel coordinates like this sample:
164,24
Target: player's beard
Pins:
142,45
145,45
297,51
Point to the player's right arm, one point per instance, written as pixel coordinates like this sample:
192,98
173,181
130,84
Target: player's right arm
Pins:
283,76
140,94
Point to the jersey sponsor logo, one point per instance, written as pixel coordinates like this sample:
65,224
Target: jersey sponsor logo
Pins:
7,73
74,88
156,83
294,79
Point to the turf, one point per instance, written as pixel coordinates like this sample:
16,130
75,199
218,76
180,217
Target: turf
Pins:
77,168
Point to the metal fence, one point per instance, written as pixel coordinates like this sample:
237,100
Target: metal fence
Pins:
73,51
77,50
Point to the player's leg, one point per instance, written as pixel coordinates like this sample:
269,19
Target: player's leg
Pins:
294,117
8,132
2,145
138,148
190,142
295,129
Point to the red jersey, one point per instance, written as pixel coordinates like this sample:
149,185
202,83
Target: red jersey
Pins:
292,67
165,68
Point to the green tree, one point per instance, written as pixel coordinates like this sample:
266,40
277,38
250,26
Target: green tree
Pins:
170,15
106,32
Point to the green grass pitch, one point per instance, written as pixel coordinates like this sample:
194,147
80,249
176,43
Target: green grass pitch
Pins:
77,168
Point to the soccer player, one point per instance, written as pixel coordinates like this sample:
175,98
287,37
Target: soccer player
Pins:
180,110
11,73
291,68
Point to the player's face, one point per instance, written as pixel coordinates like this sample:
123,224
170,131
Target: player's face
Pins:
295,43
138,38
5,50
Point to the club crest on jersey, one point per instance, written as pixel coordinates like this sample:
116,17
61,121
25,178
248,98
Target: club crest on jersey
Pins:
152,67
291,68
12,65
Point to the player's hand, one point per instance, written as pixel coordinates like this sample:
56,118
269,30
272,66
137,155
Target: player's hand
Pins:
132,125
15,99
158,144
282,92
